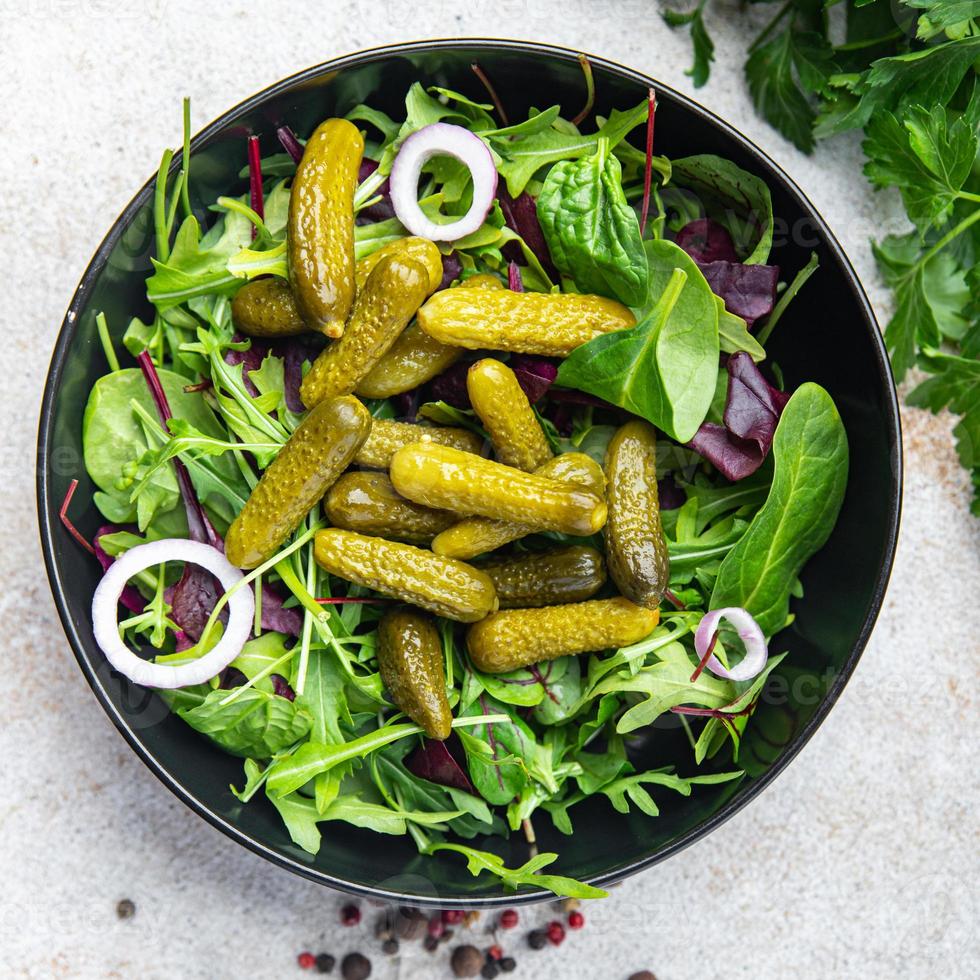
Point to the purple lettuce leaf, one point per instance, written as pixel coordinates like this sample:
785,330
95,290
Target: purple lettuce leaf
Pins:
752,409
451,268
450,386
749,291
433,761
193,599
274,617
535,375
381,210
281,687
250,358
669,493
521,215
705,240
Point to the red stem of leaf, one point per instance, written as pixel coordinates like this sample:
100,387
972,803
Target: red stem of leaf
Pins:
198,526
255,179
206,385
590,89
705,658
719,713
514,280
63,514
648,169
289,143
673,600
491,91
542,680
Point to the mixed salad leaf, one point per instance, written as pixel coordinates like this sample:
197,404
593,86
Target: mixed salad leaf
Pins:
176,446
906,73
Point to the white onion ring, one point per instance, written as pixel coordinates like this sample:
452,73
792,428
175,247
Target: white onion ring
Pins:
750,633
442,139
241,606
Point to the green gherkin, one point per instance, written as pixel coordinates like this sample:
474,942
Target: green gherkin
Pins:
266,308
410,661
547,578
387,437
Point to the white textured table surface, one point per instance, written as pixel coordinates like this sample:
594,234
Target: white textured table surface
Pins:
858,861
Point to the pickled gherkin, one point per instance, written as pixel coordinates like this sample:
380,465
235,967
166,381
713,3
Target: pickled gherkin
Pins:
514,638
368,503
530,323
392,294
266,308
449,479
415,357
547,578
444,586
474,536
636,549
387,437
412,359
498,399
320,226
320,449
420,249
411,666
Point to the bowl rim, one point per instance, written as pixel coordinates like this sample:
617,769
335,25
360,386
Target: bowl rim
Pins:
48,509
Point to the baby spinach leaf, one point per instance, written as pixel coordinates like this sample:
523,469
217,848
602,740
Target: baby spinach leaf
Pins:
527,874
591,231
256,723
733,197
811,463
562,693
663,369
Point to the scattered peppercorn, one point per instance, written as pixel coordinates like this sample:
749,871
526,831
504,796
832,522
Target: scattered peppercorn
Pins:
489,970
452,917
355,966
494,953
556,933
306,961
576,920
410,924
643,975
569,904
125,909
467,961
430,944
537,939
436,927
325,963
389,947
350,915
447,934
509,918
508,964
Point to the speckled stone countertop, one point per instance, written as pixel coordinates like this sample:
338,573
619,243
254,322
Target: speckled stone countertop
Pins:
858,861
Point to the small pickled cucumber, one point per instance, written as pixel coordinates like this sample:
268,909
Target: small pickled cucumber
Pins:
635,545
444,586
514,638
320,449
392,294
421,249
531,323
547,578
412,359
411,666
367,503
498,399
320,226
474,536
266,308
482,280
449,479
387,437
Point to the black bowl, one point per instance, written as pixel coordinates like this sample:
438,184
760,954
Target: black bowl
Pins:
829,336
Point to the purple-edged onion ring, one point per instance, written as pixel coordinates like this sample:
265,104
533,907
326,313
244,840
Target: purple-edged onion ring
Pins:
756,650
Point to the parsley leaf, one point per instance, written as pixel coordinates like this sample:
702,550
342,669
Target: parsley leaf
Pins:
704,48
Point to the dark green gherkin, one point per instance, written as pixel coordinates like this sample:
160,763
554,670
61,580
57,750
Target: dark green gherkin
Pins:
547,578
266,308
636,549
410,662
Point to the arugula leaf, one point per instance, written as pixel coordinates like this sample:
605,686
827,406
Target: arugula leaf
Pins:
927,155
811,463
255,724
591,231
527,874
664,368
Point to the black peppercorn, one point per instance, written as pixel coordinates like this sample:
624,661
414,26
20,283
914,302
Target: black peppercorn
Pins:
324,963
430,943
355,966
490,970
508,964
125,909
389,947
537,939
643,975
